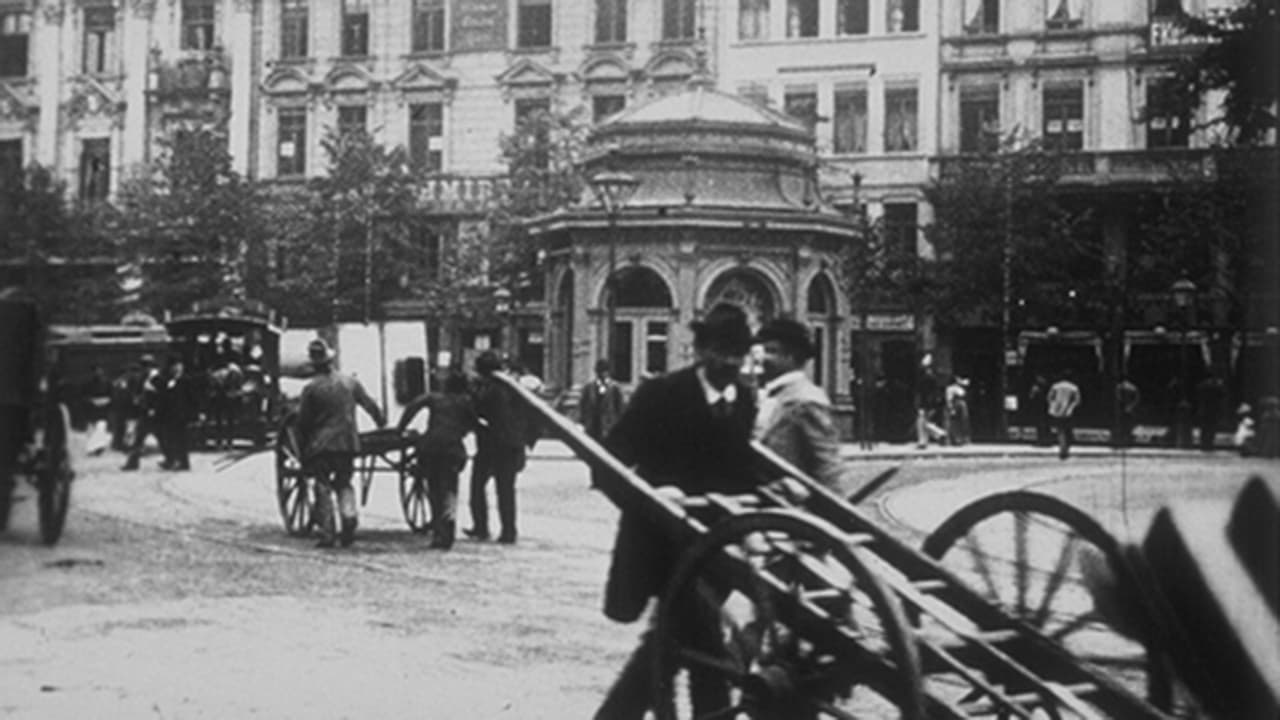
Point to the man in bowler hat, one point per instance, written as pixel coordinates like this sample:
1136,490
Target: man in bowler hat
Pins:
689,430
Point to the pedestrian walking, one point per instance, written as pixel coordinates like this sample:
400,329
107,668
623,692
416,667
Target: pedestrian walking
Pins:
329,439
794,415
958,411
440,452
144,390
504,432
1063,399
1211,395
600,405
176,407
685,432
929,402
1127,399
1245,438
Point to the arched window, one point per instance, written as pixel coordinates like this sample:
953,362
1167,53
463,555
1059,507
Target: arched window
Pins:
822,296
747,289
640,287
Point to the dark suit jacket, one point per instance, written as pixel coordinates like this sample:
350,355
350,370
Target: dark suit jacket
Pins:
669,435
600,407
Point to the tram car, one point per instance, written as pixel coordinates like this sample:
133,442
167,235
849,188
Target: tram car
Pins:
232,353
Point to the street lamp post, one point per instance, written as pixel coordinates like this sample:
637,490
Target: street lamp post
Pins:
1183,291
613,190
864,361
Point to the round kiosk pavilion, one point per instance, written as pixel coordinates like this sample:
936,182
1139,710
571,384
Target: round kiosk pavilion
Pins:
701,197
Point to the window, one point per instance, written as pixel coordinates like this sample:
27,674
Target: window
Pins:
655,347
801,103
982,17
528,110
15,31
293,29
851,119
802,18
1064,117
853,17
426,137
355,28
979,119
679,19
1168,121
352,119
99,39
611,21
197,24
291,150
533,24
900,229
1063,14
428,25
903,16
95,169
10,162
753,19
602,106
900,132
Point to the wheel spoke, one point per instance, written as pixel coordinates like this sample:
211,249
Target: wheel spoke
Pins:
979,558
1077,623
725,712
1055,580
1022,567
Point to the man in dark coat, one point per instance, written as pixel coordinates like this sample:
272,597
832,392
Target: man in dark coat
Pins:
691,430
601,402
145,391
176,407
505,430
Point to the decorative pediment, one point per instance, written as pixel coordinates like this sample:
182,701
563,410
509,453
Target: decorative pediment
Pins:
526,73
671,64
349,79
91,98
421,77
605,70
285,81
17,102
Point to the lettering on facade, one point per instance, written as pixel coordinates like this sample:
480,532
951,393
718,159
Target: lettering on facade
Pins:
887,322
479,25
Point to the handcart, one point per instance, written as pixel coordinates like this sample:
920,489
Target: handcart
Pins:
382,452
33,425
817,611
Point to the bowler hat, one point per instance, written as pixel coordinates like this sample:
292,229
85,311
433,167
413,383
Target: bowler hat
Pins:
487,362
724,327
792,335
319,351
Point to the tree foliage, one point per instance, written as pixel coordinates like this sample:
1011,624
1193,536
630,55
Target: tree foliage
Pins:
191,222
1002,207
1241,59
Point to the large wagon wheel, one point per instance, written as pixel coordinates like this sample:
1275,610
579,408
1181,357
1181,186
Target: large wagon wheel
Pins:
295,493
54,475
1056,569
413,494
735,624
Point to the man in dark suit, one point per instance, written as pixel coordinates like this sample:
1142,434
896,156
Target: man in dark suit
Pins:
601,402
690,429
505,431
175,409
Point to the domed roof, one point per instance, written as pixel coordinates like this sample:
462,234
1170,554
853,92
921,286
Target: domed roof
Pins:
703,104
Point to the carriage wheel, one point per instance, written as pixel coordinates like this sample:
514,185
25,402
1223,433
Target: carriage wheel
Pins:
731,623
1037,558
414,500
53,478
295,493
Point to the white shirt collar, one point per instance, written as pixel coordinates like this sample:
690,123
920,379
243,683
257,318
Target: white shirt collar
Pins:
729,394
786,378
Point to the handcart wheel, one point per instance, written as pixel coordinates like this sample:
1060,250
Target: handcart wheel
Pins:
53,476
1037,558
737,627
413,499
295,494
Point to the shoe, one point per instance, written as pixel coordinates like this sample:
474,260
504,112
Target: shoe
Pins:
166,465
507,539
182,466
325,543
475,534
348,532
441,544
130,466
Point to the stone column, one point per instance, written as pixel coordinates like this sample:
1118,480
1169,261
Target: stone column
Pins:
45,62
239,39
680,337
135,53
585,345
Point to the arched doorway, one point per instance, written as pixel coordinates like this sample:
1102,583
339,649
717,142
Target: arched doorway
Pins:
642,323
747,289
823,319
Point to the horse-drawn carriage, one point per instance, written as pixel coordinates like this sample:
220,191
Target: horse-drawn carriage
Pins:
33,424
232,353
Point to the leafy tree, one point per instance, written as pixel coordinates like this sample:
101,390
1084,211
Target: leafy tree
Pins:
191,222
1240,58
